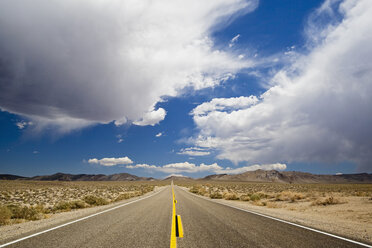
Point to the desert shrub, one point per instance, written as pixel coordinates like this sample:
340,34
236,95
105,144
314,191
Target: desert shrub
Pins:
202,191
95,201
27,213
216,195
77,204
231,196
195,189
245,197
359,193
62,206
259,203
297,196
67,206
271,205
123,196
255,197
5,215
327,201
289,196
147,189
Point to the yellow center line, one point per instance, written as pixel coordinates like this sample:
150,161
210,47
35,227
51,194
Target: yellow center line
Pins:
173,241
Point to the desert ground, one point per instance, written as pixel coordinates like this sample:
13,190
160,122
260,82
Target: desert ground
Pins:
22,201
343,209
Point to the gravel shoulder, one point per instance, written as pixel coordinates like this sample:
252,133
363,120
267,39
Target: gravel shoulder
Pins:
9,232
352,219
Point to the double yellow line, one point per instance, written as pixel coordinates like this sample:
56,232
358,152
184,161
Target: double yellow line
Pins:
177,229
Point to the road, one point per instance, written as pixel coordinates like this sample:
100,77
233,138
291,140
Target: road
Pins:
147,223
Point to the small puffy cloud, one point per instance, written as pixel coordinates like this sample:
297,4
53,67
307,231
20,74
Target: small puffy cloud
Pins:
194,151
234,40
224,104
110,161
159,135
23,124
35,152
120,138
151,118
120,121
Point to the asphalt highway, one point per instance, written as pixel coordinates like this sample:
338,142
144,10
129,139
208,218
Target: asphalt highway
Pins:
147,223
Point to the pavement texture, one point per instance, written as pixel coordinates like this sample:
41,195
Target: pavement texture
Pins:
147,223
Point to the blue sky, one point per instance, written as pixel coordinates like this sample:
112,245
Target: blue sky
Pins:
185,88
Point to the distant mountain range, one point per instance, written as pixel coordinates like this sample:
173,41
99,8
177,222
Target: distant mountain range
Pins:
250,176
79,177
178,178
291,177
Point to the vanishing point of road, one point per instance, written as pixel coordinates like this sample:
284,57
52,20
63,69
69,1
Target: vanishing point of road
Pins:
148,223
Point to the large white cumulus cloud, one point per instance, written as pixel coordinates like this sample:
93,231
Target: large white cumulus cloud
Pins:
72,63
318,109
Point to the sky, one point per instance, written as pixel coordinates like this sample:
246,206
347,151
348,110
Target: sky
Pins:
192,88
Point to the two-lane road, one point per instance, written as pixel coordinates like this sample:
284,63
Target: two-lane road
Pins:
147,223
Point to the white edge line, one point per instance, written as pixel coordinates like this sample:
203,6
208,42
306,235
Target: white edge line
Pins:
284,221
74,221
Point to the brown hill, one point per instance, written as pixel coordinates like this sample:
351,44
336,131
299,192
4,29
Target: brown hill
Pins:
291,177
79,177
10,177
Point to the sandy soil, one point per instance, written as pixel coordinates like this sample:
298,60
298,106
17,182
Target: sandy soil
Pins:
352,219
10,232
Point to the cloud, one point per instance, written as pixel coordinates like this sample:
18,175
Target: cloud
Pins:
234,40
159,135
35,152
120,138
177,167
226,104
194,151
277,166
318,108
70,64
174,175
23,124
212,168
141,166
151,118
110,161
